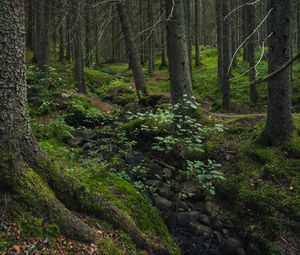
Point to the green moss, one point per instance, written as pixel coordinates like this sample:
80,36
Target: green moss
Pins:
108,247
81,112
96,79
292,146
31,226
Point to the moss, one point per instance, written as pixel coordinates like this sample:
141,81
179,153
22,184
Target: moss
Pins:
4,245
80,112
108,247
292,146
96,79
31,226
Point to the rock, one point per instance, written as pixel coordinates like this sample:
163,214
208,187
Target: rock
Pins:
200,229
212,208
183,206
218,236
65,96
167,173
204,219
240,251
87,146
193,246
231,246
153,183
162,203
75,141
217,224
166,192
199,206
253,249
194,188
225,232
184,218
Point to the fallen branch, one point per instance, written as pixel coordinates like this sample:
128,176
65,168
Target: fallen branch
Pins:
279,70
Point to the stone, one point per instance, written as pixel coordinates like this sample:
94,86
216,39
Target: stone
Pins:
162,203
183,206
65,96
218,236
200,229
75,141
212,208
184,218
152,183
199,206
240,251
87,146
166,192
167,173
204,219
217,225
230,246
253,249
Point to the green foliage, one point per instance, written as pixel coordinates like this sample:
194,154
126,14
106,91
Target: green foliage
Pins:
292,146
204,174
181,136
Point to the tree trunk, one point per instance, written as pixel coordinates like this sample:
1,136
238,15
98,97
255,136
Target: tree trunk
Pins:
250,12
78,51
226,56
88,34
219,41
133,53
279,114
163,36
197,33
177,41
61,31
44,40
150,39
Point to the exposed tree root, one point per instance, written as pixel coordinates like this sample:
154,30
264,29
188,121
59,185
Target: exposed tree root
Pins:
79,198
45,190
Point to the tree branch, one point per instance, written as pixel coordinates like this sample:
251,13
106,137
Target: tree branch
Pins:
279,70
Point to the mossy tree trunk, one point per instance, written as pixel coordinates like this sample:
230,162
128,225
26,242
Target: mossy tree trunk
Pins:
279,124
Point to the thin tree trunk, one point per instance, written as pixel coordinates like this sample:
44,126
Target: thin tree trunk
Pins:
78,51
197,33
226,56
133,53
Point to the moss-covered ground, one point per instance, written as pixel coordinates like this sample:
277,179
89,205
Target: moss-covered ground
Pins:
262,187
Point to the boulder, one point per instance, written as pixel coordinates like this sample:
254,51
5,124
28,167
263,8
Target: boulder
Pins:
231,246
162,203
200,229
184,218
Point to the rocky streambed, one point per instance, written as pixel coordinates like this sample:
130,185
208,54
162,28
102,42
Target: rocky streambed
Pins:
198,224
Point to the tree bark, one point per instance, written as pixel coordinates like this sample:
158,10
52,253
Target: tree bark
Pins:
177,41
279,125
226,56
197,33
133,53
77,41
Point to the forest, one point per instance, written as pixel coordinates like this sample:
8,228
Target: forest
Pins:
149,127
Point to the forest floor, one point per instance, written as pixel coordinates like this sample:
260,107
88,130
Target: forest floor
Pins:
100,139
